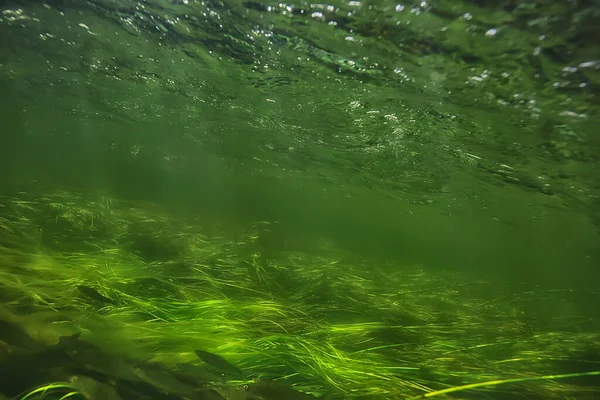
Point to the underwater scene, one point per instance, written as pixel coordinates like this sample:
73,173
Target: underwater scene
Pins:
258,200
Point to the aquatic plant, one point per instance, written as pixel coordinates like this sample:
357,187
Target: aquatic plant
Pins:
321,324
52,391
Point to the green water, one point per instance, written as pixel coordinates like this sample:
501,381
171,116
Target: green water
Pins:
455,141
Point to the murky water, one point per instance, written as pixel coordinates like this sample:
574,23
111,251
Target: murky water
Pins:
351,198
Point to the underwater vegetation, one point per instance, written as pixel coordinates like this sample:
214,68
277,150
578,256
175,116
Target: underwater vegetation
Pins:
90,309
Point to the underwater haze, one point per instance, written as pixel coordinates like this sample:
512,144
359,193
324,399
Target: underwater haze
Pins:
263,200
